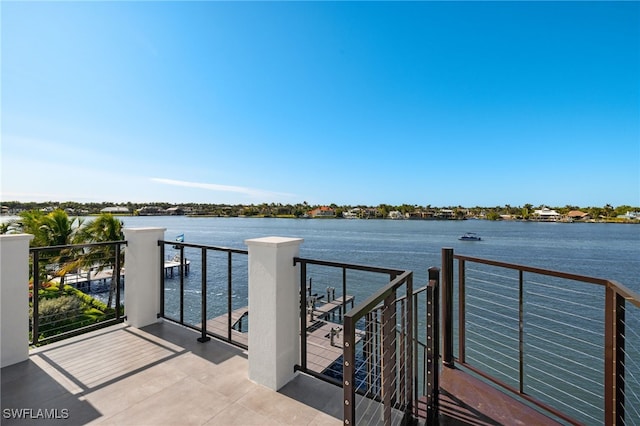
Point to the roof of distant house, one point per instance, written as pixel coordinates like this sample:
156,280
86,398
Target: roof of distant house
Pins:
115,209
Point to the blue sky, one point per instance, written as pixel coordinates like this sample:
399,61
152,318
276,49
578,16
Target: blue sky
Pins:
440,103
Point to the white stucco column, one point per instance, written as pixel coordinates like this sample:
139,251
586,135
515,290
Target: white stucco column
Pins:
274,305
14,298
142,275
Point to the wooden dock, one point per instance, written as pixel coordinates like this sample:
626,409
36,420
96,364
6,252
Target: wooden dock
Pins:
84,278
219,325
324,337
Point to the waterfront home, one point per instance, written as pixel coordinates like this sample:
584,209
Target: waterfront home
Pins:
578,215
323,211
546,215
115,210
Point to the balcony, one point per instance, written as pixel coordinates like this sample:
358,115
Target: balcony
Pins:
160,367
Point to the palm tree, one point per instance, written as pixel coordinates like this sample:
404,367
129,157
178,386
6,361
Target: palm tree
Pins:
105,228
56,229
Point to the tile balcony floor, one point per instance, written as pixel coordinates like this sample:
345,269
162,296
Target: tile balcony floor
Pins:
158,375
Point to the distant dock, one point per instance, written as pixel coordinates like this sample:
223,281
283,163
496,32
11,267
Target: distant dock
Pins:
84,278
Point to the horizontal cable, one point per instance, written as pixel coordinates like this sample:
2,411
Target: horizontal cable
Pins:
569,407
495,342
556,300
565,336
492,302
493,274
489,330
633,405
555,287
489,367
547,342
470,281
496,323
564,324
561,380
490,349
469,290
570,314
630,361
565,359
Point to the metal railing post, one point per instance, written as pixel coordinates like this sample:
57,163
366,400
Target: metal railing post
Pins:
117,278
35,325
433,345
162,277
388,356
348,376
521,330
203,299
303,314
229,294
447,307
182,285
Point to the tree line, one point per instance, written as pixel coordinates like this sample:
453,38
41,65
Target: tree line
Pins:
296,210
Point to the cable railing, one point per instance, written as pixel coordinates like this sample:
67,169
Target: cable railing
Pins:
564,342
205,288
379,365
392,338
74,289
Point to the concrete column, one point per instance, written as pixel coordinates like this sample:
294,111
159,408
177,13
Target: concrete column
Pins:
274,310
142,275
14,298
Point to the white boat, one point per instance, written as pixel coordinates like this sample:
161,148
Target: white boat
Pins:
470,236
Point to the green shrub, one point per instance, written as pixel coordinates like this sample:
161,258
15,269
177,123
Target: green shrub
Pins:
59,309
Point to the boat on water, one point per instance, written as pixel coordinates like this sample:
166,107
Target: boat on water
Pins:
470,236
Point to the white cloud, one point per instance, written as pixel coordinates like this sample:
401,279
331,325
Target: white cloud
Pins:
252,192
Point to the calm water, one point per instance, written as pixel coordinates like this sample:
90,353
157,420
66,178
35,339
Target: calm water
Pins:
603,250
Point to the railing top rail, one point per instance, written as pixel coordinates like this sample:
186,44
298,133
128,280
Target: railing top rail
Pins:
357,267
625,292
628,294
75,246
377,297
541,271
202,246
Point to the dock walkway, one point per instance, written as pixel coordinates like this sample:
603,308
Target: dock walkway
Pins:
324,336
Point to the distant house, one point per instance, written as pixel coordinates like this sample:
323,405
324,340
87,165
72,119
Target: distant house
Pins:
396,215
630,216
175,211
546,215
115,210
578,215
354,213
151,211
445,214
323,211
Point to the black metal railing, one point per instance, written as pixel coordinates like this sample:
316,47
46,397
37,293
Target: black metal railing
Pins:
205,288
567,343
327,291
65,284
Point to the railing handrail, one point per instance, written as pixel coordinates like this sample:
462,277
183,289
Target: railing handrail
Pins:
624,291
357,267
376,298
76,246
203,246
